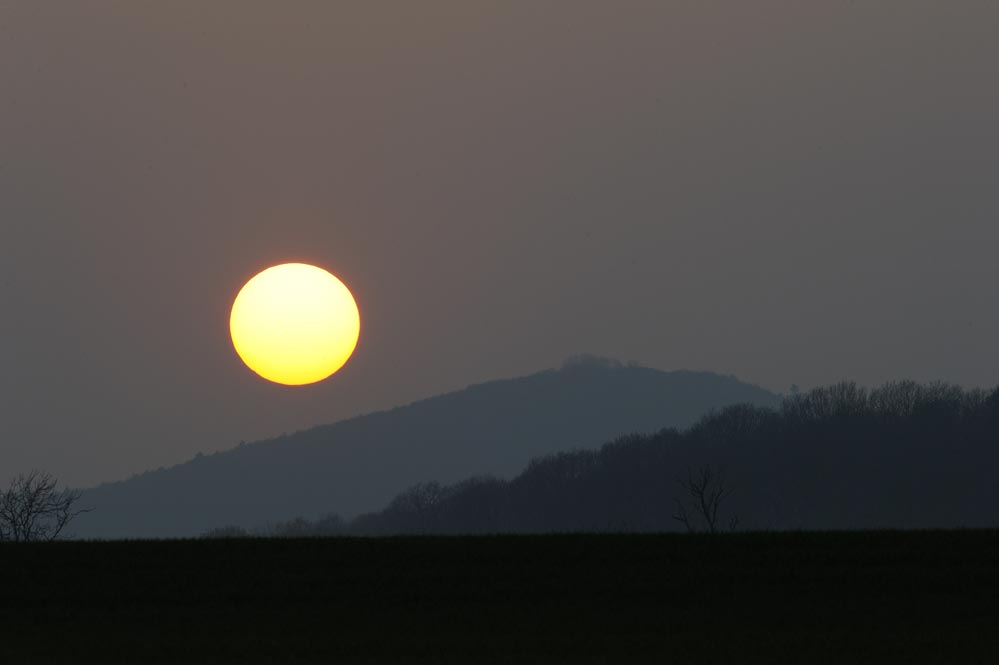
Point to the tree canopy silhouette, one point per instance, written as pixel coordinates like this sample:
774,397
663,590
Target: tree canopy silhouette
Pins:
904,455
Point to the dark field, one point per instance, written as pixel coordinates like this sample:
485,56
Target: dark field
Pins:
747,598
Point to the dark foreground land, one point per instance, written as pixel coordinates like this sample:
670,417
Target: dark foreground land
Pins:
747,598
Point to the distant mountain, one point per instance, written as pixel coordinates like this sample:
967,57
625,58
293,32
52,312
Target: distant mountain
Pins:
358,465
901,456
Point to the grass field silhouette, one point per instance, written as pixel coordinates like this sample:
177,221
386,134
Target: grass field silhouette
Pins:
830,597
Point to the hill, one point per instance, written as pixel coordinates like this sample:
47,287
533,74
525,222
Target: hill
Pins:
358,465
904,455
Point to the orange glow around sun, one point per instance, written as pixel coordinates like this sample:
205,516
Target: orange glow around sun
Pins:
294,324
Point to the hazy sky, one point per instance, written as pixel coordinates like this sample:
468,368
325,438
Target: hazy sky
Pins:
792,192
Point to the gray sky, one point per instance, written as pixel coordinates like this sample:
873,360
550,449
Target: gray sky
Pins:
792,192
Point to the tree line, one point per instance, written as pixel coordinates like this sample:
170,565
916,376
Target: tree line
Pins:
904,455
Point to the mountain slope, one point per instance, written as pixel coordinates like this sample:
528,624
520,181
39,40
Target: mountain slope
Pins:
359,464
901,456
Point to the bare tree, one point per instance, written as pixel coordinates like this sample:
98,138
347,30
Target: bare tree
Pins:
704,489
31,508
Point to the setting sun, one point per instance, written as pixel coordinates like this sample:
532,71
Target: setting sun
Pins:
294,324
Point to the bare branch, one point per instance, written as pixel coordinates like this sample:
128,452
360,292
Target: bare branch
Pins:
31,508
705,490
681,515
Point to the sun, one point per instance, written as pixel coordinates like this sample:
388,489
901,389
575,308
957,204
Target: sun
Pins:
294,324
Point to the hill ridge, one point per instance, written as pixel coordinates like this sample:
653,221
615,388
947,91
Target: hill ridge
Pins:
490,427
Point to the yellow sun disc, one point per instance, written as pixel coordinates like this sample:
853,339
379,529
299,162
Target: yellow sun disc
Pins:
294,324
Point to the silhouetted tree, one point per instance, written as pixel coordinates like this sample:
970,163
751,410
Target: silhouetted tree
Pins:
704,489
31,508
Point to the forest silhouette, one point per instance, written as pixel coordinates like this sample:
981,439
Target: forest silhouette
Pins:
904,455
